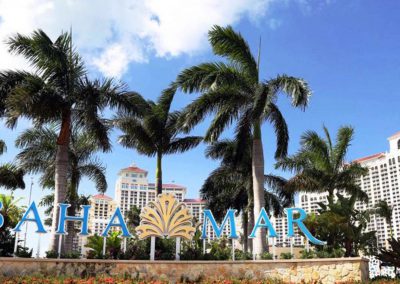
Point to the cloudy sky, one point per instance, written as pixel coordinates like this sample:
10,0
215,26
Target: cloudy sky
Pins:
348,51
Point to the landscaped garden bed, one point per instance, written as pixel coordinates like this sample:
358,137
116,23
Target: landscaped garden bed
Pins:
121,280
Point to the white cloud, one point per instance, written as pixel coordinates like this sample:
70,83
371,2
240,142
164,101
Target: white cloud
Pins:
112,34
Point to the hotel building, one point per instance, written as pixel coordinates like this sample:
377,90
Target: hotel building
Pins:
101,210
380,183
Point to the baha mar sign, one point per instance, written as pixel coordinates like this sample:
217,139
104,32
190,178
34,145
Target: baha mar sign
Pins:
166,217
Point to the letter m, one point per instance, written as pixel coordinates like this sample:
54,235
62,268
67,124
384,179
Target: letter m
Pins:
209,217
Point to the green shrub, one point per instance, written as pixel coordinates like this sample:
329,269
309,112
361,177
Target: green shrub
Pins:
267,256
24,252
71,254
51,254
304,254
286,255
329,253
241,255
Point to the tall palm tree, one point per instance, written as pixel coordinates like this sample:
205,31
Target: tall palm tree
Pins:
384,210
39,153
55,92
234,92
156,133
320,166
230,185
11,176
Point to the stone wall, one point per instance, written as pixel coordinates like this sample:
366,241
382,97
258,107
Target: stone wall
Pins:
294,271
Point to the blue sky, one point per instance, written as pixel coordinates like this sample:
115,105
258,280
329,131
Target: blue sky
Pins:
348,52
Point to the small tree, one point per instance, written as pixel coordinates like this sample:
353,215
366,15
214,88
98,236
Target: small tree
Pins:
384,210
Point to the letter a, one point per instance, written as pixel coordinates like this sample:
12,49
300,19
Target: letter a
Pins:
36,219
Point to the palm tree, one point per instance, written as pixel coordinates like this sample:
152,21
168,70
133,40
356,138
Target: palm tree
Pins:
113,245
320,166
384,210
234,92
11,213
343,226
11,177
57,91
230,185
155,134
38,155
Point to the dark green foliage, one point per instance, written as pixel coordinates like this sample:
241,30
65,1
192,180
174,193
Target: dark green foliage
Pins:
230,185
24,252
320,165
241,255
67,255
51,254
221,249
137,249
391,256
286,255
156,132
267,256
342,227
329,253
304,254
11,176
165,249
11,213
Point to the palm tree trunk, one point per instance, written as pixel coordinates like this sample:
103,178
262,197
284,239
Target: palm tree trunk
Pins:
245,224
257,164
249,228
73,199
61,172
159,173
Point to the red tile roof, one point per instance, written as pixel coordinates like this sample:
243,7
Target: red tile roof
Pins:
135,169
395,135
379,155
194,200
102,196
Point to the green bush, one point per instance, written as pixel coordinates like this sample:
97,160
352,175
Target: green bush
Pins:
267,256
51,254
286,255
241,255
24,252
329,253
71,254
304,254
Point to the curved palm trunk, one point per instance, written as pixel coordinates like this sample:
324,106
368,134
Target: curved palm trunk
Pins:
257,164
159,174
61,172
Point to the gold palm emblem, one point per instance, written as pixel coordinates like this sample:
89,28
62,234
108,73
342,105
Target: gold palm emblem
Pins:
165,218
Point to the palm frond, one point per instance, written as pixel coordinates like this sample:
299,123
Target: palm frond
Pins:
180,145
230,44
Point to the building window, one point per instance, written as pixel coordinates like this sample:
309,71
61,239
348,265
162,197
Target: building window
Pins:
398,144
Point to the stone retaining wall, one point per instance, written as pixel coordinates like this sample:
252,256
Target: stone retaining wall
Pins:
327,271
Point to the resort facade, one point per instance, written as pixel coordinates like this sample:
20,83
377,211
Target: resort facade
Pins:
380,183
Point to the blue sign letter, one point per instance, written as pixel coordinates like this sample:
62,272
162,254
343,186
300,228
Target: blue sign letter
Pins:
64,217
1,216
218,230
36,219
300,224
117,214
267,224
